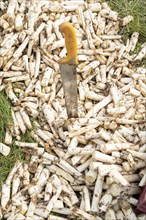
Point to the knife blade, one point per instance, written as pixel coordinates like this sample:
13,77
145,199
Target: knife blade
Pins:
68,70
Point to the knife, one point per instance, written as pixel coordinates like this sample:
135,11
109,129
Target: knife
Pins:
68,70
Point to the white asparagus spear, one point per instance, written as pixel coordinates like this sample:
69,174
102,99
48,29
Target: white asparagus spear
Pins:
13,171
26,64
2,88
82,203
97,193
3,23
25,118
84,215
94,96
120,215
141,216
127,210
87,199
134,92
4,149
37,139
143,181
97,155
68,189
18,22
76,159
15,184
87,150
20,122
11,94
5,196
50,157
38,89
37,63
43,177
46,77
126,20
41,212
10,63
26,175
25,144
103,170
83,130
131,178
104,134
133,201
70,169
49,113
84,165
42,135
139,155
117,110
105,202
18,78
131,161
53,217
19,51
139,164
53,199
31,207
48,191
108,148
119,178
8,138
133,40
141,54
110,215
97,107
91,176
38,31
61,172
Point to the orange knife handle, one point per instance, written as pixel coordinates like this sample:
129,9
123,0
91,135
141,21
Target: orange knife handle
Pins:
70,42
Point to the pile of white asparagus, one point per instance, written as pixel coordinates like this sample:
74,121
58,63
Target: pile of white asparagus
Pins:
91,167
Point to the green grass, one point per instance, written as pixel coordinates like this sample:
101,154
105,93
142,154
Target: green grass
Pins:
136,8
27,137
6,163
5,114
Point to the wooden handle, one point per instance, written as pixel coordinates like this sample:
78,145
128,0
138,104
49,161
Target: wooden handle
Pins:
70,42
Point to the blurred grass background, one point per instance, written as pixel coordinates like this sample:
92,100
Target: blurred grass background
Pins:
136,8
